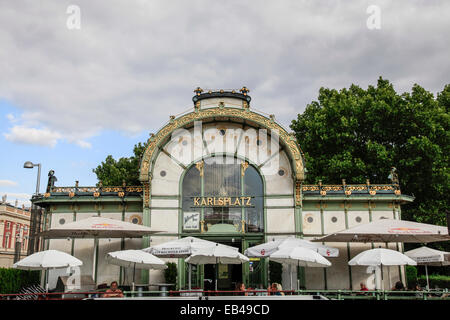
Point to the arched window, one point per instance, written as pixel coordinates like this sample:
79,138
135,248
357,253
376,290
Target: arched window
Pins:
223,191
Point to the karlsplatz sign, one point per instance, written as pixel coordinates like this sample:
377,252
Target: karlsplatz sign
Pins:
222,201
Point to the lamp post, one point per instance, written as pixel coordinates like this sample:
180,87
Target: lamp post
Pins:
32,236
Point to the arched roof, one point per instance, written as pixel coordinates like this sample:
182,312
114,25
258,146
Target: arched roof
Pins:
232,114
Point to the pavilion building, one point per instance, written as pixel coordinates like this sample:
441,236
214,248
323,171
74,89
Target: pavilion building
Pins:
229,174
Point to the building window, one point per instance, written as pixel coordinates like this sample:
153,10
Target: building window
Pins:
310,219
224,178
358,219
62,221
334,219
163,173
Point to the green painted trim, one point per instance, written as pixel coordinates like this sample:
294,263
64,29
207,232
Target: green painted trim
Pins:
350,277
279,196
171,197
72,250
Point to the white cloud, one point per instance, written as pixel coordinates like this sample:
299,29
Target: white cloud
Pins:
25,135
8,183
132,64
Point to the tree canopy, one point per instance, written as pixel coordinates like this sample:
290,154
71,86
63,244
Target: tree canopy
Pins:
358,134
113,172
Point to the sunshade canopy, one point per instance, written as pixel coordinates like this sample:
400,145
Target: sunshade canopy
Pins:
135,259
217,254
98,227
429,256
266,249
49,259
182,248
381,257
299,256
388,230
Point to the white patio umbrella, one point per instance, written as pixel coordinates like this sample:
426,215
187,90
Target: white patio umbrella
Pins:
215,255
429,257
48,259
389,230
137,259
266,249
98,227
183,248
300,257
379,257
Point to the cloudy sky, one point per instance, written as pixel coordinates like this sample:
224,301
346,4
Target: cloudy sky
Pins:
71,96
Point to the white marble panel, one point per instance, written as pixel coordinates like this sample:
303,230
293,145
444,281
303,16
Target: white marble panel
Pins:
311,222
165,220
166,176
280,220
279,202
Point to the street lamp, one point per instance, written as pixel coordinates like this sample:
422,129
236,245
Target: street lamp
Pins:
31,165
32,241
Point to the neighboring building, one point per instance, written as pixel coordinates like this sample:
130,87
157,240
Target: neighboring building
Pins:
14,233
212,173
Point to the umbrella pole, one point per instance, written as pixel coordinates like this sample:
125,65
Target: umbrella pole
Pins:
190,276
426,273
94,262
290,271
134,273
389,276
382,278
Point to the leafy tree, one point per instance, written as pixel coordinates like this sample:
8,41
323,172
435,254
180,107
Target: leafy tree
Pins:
358,134
113,172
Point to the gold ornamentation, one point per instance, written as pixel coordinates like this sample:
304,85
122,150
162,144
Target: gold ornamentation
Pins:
199,165
47,195
202,226
244,166
121,194
96,194
323,193
71,194
348,192
397,192
298,193
146,195
373,192
243,226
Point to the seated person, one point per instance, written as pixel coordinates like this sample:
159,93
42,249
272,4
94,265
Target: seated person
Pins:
279,290
113,291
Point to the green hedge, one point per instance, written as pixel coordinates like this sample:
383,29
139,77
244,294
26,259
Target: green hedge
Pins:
12,280
170,274
275,271
436,280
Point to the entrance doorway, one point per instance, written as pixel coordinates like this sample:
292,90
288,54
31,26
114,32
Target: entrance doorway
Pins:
227,275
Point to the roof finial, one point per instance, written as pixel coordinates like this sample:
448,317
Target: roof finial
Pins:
244,90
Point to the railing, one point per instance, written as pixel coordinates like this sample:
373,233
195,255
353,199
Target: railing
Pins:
330,294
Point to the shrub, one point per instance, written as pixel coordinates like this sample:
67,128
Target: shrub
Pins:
436,281
411,274
275,271
13,280
170,274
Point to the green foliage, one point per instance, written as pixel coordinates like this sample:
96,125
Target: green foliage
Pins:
275,271
411,274
436,281
170,274
12,280
113,172
358,134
